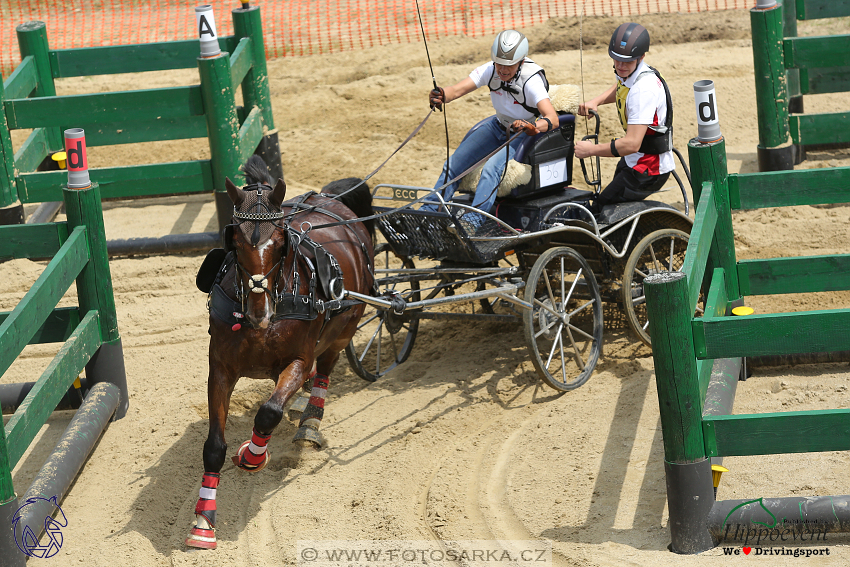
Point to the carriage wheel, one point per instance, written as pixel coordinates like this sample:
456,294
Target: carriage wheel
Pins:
564,329
383,339
660,251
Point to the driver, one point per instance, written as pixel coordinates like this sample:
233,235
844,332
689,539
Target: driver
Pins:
519,92
646,114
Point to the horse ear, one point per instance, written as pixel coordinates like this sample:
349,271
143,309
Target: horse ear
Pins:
234,192
279,193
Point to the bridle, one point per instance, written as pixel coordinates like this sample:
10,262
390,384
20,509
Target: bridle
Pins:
258,283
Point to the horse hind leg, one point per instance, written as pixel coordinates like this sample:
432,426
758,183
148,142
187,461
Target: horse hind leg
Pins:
308,429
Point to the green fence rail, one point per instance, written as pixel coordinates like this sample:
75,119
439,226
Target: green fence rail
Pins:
208,110
686,347
88,333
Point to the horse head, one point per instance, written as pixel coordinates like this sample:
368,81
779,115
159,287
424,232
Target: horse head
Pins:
260,245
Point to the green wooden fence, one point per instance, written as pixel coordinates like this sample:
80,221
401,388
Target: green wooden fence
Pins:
207,110
788,67
685,347
89,331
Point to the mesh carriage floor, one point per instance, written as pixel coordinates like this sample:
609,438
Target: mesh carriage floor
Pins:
441,236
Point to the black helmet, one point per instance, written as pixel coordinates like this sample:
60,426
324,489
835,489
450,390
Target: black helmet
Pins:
629,42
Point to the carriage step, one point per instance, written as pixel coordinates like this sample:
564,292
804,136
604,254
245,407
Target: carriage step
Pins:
298,407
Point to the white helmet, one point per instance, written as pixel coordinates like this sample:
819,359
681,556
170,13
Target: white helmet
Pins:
509,47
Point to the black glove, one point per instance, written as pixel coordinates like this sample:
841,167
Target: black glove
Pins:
437,97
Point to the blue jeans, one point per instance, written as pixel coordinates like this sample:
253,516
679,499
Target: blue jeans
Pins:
477,144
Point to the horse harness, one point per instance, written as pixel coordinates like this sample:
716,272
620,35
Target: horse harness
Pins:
288,301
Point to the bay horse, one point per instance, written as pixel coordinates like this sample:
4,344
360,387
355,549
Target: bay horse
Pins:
272,314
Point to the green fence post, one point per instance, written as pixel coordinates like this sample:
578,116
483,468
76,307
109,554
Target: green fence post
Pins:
775,151
94,284
707,156
222,127
10,556
690,492
32,40
255,86
11,209
792,76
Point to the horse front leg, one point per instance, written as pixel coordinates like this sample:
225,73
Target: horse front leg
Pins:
219,389
311,418
253,455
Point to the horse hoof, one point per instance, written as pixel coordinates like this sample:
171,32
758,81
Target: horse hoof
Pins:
298,407
202,535
307,437
237,459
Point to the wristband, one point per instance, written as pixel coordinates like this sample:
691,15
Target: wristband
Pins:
549,122
614,151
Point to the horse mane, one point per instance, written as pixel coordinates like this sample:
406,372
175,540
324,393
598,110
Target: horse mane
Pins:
257,172
359,200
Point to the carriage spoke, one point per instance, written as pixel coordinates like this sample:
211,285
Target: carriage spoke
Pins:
554,345
378,350
369,344
579,359
369,320
672,254
655,263
587,304
578,330
563,361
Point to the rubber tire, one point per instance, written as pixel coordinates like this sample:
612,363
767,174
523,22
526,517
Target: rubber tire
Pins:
638,320
405,336
564,380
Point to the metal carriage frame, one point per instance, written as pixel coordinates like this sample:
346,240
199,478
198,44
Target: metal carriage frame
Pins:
553,280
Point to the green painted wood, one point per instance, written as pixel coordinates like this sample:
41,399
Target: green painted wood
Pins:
699,243
255,86
32,240
241,61
7,488
829,80
679,400
708,164
94,284
812,129
8,189
137,131
772,334
776,433
33,151
817,9
37,304
805,274
716,305
32,41
789,188
51,386
157,179
250,134
60,324
139,58
817,51
105,108
23,80
222,121
769,70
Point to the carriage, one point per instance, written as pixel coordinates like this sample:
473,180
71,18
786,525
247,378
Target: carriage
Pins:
541,259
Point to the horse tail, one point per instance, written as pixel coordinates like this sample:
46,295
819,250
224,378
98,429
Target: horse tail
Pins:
359,200
256,171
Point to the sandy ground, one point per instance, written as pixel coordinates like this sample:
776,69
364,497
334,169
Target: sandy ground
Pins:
462,442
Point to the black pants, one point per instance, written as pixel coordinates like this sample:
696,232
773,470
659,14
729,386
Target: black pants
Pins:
629,185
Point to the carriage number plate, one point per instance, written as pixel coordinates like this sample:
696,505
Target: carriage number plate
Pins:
552,172
405,194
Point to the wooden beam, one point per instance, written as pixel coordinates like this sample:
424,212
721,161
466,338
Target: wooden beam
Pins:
32,240
775,433
805,274
789,188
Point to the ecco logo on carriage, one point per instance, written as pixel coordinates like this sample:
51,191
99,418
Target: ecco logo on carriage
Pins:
405,194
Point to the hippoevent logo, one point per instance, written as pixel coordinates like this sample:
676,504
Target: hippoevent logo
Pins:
25,537
772,530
